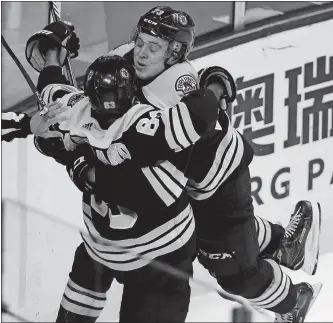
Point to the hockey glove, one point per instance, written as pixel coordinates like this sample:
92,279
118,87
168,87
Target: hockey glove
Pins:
217,74
14,126
82,174
57,35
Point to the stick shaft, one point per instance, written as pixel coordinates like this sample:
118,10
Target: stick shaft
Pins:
31,84
54,10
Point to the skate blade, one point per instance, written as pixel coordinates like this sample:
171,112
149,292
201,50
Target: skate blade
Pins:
316,290
312,243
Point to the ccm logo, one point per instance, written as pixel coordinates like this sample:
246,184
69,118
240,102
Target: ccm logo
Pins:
150,21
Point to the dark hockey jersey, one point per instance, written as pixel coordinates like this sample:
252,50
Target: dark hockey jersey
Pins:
141,208
215,158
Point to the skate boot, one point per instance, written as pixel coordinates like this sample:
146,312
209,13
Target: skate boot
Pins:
306,295
300,245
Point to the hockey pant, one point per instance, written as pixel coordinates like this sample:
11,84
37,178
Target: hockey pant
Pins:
149,295
235,258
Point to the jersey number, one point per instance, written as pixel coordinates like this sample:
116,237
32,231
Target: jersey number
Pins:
158,12
125,219
149,126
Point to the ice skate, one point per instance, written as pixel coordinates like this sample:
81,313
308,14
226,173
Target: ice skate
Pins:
300,245
306,295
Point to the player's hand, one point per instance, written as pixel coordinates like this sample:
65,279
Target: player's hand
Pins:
82,174
54,113
59,36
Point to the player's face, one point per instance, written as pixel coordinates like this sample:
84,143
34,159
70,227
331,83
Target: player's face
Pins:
149,56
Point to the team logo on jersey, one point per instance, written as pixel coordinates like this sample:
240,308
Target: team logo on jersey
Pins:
124,73
117,153
75,98
186,84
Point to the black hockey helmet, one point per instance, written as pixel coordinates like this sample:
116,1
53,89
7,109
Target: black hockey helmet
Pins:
175,26
110,85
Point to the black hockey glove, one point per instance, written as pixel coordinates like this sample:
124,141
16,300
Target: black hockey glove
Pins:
80,173
14,126
58,35
217,74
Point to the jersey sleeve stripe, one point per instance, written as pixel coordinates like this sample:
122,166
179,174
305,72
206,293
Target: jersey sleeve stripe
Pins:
160,190
177,176
169,131
179,132
183,125
190,130
172,127
168,181
164,181
50,90
224,165
220,155
226,161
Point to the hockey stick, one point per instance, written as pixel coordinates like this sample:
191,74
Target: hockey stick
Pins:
54,14
31,84
157,264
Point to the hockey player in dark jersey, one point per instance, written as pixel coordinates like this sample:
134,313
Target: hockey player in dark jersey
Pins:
150,216
220,190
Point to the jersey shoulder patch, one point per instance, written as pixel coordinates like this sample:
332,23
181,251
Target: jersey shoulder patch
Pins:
172,85
186,84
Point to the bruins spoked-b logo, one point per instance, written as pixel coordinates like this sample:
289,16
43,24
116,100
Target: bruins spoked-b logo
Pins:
182,19
124,73
186,84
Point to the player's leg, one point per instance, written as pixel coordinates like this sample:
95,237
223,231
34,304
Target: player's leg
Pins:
235,264
233,256
85,294
297,245
150,295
